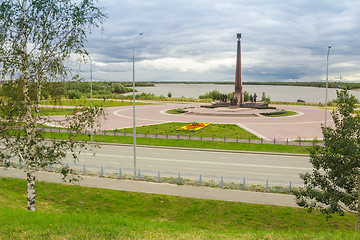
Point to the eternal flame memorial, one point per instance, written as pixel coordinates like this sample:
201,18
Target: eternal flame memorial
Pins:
235,106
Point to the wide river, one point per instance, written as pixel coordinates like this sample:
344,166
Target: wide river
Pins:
276,93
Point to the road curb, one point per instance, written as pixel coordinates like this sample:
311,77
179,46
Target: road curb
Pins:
207,150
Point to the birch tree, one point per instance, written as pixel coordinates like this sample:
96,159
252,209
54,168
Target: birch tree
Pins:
36,38
334,184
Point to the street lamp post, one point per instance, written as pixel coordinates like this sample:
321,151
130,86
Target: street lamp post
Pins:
134,126
327,80
91,99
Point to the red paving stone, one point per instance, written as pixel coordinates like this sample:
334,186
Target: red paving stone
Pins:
306,124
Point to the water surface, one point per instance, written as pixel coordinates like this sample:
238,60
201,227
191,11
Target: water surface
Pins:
276,93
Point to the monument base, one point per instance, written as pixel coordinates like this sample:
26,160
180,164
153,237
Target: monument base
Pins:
233,107
255,105
220,104
240,97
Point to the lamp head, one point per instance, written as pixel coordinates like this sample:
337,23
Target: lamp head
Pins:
329,46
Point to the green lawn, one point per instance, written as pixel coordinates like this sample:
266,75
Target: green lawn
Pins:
48,111
188,144
282,114
218,130
74,212
96,102
175,111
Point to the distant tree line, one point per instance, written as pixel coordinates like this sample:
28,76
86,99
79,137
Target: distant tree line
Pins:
100,89
216,95
78,89
341,85
138,84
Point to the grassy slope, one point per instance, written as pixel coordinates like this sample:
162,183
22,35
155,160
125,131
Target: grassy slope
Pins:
79,212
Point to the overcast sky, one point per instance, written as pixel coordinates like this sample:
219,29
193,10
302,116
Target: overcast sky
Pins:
195,40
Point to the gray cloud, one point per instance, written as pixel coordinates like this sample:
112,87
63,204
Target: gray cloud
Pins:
196,40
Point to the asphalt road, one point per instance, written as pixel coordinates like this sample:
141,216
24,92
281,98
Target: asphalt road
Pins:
227,164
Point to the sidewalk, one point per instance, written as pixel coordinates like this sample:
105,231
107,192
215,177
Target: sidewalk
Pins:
164,188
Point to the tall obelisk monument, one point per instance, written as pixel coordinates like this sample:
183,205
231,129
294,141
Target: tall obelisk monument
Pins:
238,83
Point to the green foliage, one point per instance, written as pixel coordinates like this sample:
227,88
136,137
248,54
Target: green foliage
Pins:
341,85
146,96
176,111
44,111
214,95
71,89
73,94
99,89
333,184
36,38
281,113
265,98
87,102
169,95
137,84
246,96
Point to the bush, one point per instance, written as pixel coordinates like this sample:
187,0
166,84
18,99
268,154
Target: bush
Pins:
214,95
74,94
145,96
265,98
246,96
118,88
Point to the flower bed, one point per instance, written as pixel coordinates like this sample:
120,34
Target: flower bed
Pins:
194,127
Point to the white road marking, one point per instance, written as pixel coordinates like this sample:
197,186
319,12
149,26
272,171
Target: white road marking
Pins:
222,153
206,162
265,174
285,123
253,132
116,113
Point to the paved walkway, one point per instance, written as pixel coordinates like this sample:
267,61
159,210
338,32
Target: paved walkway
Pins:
164,188
306,124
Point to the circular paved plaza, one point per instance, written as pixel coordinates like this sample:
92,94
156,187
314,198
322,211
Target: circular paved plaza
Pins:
306,124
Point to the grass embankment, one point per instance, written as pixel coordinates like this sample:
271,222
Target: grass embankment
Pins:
175,111
74,212
282,113
186,143
49,111
86,102
216,130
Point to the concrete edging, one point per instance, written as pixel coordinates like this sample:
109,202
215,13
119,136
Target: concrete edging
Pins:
207,150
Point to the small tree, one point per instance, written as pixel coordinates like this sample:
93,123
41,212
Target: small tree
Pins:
334,184
246,96
214,95
265,98
36,37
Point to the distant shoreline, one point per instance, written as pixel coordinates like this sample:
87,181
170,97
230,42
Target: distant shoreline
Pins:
348,85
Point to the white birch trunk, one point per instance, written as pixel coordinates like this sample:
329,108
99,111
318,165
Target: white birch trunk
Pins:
358,208
30,175
30,125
